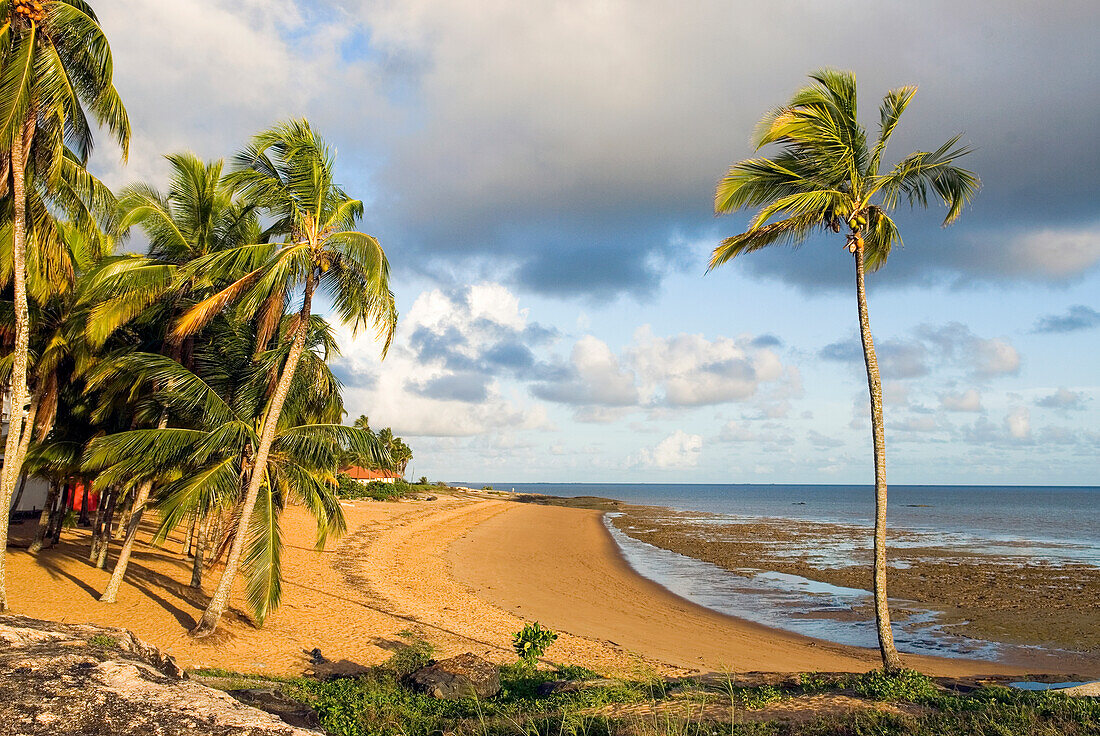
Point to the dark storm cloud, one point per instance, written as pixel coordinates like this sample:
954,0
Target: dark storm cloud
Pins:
583,182
1077,317
574,150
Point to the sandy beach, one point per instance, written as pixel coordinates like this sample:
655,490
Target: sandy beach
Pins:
464,572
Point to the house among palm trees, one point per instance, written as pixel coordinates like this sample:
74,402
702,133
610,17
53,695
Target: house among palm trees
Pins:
366,475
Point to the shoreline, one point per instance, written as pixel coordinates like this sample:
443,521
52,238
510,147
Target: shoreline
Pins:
463,572
649,618
980,595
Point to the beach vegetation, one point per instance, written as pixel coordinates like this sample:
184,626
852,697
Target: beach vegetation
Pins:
826,176
288,171
46,138
411,656
378,702
531,642
103,641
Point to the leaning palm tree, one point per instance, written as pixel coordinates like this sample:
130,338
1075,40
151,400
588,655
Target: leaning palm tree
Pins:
825,176
196,217
55,67
289,172
199,465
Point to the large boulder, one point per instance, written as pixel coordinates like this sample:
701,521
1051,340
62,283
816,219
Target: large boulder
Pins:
84,680
464,676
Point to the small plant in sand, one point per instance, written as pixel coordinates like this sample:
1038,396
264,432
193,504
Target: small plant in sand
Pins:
531,642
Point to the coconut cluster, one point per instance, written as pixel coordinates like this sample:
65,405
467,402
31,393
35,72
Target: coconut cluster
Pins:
32,9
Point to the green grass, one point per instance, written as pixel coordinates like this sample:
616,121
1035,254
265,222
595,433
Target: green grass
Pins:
377,703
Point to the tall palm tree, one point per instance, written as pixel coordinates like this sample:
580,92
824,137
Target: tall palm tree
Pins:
55,67
196,217
289,172
825,176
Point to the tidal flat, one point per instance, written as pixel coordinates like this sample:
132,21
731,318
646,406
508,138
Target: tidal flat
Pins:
1005,593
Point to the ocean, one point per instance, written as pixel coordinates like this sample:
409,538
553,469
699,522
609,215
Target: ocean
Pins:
1039,527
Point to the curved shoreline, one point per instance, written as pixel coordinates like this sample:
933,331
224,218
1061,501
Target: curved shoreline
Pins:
588,589
464,572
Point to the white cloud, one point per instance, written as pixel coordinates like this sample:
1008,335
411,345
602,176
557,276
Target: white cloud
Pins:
736,432
1063,400
465,403
596,378
1018,423
996,358
1051,253
689,370
678,450
969,400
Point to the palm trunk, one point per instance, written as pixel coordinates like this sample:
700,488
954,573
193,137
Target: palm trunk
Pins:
891,662
101,504
200,553
220,600
20,351
136,511
105,532
45,517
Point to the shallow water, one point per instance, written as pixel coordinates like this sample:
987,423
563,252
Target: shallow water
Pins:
797,604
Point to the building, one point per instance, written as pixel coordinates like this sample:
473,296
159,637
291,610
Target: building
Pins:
366,475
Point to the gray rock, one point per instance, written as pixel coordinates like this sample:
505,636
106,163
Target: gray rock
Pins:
464,676
83,680
276,702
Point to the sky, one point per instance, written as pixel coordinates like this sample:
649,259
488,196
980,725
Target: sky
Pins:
541,176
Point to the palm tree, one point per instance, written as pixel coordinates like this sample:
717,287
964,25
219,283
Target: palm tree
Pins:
288,171
55,67
200,464
826,176
197,216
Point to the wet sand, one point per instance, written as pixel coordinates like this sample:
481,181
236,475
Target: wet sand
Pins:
1011,598
464,572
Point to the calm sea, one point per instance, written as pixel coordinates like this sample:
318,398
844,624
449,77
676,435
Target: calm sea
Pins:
1062,521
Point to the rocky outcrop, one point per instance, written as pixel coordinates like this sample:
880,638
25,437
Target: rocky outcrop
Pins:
83,680
464,676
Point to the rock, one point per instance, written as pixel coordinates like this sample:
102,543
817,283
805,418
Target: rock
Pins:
83,680
466,675
276,702
1084,690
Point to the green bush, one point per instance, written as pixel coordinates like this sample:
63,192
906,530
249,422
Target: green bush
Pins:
350,489
411,657
531,642
906,685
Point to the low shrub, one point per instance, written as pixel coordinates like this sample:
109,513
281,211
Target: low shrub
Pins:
905,685
531,642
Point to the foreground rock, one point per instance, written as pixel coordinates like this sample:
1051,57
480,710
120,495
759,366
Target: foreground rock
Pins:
464,676
83,680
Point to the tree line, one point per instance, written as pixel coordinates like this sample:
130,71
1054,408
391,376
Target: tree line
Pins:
187,375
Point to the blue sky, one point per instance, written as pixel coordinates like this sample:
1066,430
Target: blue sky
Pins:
541,175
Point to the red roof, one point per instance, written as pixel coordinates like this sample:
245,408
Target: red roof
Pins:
357,473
